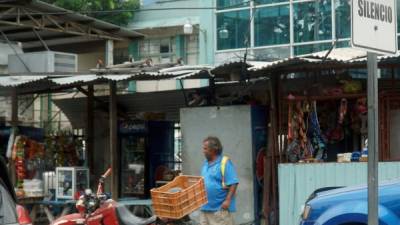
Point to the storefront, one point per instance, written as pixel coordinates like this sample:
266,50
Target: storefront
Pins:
51,169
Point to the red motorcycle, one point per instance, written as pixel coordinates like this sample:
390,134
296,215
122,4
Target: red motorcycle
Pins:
97,209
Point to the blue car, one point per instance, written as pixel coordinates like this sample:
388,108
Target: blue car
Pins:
349,206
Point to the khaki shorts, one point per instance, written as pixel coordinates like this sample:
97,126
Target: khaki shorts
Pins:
223,217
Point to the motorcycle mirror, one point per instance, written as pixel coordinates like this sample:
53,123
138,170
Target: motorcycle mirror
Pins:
88,191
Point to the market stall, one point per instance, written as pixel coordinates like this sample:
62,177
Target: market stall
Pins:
319,125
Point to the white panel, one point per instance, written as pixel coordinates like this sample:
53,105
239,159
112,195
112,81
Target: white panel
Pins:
233,126
146,86
166,85
195,83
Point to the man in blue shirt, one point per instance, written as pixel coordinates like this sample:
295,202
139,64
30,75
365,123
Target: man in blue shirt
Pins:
221,182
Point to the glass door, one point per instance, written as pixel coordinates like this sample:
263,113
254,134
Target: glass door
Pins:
133,165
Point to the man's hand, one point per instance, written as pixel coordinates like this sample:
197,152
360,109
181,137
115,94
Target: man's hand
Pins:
226,204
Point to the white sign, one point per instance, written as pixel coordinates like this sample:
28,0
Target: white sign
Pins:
374,25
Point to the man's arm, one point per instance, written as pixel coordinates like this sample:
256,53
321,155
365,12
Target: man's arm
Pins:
231,193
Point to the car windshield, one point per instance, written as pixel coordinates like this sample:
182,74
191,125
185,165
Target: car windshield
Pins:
8,214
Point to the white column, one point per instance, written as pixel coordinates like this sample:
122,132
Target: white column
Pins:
109,56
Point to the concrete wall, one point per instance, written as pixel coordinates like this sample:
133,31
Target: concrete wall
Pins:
88,61
233,126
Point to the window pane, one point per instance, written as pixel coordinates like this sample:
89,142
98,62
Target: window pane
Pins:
343,44
343,26
312,21
272,26
223,4
261,2
271,54
306,49
232,29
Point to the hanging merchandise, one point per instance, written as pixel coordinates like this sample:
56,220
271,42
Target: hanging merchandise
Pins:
337,134
297,136
18,156
314,134
63,149
302,136
290,123
294,151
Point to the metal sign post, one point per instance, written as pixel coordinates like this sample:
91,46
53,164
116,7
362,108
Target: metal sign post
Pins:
374,29
372,139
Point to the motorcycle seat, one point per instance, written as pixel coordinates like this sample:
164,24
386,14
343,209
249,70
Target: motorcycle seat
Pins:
127,218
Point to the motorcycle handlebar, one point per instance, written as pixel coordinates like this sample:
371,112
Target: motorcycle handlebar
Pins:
107,173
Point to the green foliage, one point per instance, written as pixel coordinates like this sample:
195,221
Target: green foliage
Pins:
86,6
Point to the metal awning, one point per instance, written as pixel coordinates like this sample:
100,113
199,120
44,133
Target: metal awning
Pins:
39,82
339,58
24,21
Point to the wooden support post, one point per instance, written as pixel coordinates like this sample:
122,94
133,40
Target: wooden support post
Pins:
274,145
90,128
14,108
14,124
114,141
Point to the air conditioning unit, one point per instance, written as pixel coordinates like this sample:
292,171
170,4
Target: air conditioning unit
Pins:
43,62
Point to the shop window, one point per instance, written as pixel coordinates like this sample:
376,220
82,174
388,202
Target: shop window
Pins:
312,21
224,4
307,49
343,18
272,26
232,29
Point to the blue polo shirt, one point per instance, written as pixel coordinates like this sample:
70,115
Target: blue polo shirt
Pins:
213,181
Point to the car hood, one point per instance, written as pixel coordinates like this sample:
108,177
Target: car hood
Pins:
351,189
389,193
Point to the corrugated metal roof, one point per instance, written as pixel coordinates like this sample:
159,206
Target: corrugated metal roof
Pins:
54,80
74,79
15,81
339,54
281,63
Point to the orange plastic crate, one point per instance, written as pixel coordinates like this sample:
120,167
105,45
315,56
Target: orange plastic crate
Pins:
173,204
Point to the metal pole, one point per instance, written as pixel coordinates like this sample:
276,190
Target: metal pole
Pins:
372,139
114,141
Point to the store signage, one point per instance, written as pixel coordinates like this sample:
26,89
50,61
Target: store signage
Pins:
374,25
132,127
